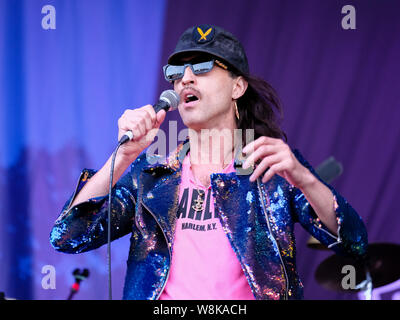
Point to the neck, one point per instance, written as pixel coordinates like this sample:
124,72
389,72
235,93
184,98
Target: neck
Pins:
212,148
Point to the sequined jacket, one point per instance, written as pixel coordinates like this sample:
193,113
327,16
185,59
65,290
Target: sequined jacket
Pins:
258,220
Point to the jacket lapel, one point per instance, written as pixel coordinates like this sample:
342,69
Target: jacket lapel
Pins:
160,197
160,192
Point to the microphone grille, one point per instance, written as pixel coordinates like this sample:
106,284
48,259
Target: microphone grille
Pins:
172,97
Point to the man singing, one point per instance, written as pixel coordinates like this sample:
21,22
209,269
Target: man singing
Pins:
212,220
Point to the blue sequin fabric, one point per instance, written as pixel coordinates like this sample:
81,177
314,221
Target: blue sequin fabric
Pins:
258,220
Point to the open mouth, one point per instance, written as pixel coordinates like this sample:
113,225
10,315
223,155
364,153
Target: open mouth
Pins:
190,98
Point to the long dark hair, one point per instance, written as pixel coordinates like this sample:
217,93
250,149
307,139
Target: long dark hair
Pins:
260,109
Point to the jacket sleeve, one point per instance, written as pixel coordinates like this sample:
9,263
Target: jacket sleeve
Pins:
352,239
83,227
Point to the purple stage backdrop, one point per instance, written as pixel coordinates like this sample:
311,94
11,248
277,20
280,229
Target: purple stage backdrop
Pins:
62,90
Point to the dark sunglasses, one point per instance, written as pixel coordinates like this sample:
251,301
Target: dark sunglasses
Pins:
175,72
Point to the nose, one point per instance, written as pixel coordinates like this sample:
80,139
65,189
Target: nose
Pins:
188,76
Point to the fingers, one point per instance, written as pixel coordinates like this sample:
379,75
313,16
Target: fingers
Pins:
250,147
151,134
260,148
271,156
148,117
160,117
274,169
264,165
140,121
260,153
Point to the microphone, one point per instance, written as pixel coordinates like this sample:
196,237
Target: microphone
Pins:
169,100
79,276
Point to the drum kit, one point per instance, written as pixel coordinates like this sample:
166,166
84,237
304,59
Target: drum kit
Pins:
380,268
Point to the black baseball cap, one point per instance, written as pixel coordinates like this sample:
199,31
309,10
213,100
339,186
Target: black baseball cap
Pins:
215,41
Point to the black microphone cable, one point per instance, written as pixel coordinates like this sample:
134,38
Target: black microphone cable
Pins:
122,141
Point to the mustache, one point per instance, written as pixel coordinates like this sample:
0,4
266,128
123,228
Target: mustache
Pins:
190,88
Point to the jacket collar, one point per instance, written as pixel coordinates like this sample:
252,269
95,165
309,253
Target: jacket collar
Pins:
160,193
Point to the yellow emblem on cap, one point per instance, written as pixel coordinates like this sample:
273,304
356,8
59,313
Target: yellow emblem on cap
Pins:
203,35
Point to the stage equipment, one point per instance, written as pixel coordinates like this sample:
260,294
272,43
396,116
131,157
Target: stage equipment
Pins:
380,267
79,277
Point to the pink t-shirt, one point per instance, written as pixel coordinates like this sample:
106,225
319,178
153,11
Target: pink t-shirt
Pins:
204,265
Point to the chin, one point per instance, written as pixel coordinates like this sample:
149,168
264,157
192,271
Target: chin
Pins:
194,124
192,119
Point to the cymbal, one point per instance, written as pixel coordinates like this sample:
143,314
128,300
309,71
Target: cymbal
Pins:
383,265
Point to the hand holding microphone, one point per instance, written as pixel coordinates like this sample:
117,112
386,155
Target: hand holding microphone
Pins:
137,123
138,127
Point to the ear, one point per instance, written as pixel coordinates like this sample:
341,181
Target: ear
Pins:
239,87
